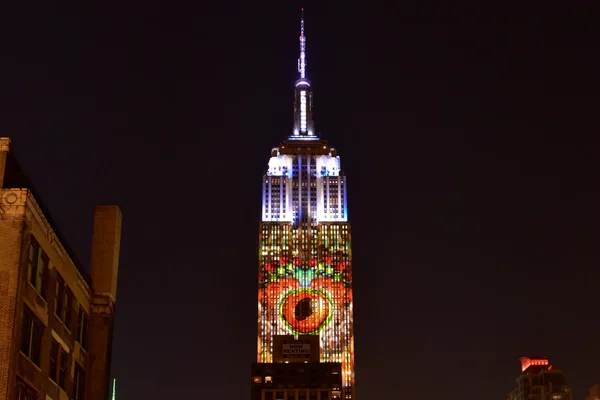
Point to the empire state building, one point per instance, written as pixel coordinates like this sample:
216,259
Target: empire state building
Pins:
305,258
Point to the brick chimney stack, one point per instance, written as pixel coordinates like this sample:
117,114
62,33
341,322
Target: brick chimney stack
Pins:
104,268
106,243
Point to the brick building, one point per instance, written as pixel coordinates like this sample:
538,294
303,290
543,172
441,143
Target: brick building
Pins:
56,321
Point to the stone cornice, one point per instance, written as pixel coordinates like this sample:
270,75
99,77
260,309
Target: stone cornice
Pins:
21,204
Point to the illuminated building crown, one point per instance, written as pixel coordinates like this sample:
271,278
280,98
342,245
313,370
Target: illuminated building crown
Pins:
304,182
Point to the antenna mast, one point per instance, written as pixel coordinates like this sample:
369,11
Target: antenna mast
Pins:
302,59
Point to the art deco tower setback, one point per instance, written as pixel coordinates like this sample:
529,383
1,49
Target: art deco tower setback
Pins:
305,263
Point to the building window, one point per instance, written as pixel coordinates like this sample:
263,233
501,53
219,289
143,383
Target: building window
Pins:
63,302
37,268
68,306
24,392
31,337
62,370
83,328
58,364
53,360
59,304
79,383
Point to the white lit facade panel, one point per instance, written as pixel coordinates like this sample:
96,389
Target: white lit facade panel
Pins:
276,199
304,188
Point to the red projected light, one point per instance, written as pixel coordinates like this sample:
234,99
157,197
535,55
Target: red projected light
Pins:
528,362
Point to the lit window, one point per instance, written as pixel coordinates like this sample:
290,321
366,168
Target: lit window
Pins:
268,379
37,267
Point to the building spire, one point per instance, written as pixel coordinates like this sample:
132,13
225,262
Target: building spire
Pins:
302,59
303,123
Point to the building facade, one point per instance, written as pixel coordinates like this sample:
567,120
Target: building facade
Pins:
305,259
540,380
594,393
56,321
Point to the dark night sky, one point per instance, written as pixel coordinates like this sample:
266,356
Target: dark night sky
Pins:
473,195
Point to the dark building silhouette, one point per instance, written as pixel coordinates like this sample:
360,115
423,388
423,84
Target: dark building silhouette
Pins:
296,381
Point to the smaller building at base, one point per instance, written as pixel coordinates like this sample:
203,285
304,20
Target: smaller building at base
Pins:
540,380
296,373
